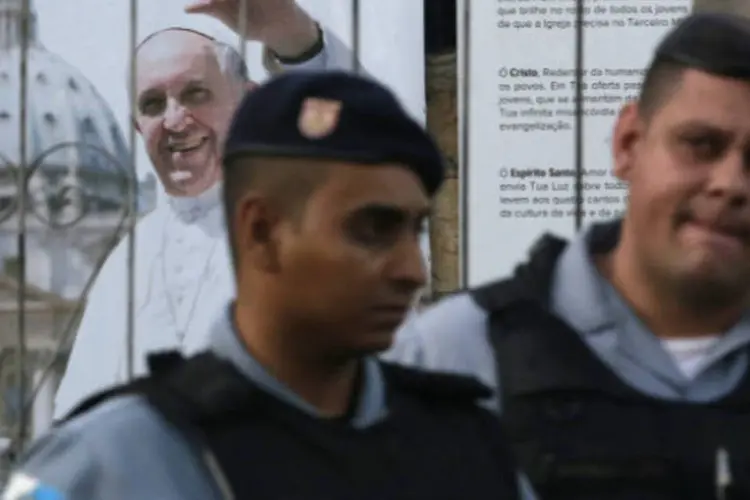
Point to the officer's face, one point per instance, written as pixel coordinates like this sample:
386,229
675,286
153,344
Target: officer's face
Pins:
183,109
350,265
689,173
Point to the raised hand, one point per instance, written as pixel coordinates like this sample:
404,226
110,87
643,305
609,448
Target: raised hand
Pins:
263,21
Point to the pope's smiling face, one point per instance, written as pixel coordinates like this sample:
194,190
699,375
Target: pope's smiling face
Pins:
184,103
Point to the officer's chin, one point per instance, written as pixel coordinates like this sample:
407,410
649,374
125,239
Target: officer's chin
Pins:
376,342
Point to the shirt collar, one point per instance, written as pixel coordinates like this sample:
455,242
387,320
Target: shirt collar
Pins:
589,303
225,343
578,290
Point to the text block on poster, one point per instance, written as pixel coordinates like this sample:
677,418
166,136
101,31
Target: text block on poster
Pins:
519,113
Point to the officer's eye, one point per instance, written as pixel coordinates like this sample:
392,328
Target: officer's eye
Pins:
376,232
375,226
702,143
705,148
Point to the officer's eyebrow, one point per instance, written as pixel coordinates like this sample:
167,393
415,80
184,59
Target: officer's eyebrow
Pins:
700,125
392,212
701,128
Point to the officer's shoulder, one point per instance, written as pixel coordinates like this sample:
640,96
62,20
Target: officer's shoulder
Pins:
434,386
457,312
114,420
98,453
431,337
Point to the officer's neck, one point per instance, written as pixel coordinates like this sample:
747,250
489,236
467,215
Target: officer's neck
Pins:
326,384
658,306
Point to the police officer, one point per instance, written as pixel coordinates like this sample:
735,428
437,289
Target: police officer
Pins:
327,184
620,358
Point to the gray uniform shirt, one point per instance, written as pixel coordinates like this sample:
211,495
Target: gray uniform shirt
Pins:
452,336
123,450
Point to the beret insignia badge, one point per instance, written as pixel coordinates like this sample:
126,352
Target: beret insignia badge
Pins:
318,117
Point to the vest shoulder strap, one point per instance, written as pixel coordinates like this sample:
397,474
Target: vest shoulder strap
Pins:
435,386
100,397
531,280
164,361
158,363
199,389
537,352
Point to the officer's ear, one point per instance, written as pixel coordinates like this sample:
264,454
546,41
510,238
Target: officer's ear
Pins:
625,139
257,228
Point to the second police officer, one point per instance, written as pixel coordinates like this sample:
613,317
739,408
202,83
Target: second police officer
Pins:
620,359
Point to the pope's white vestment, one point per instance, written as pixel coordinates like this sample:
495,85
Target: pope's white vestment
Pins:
183,275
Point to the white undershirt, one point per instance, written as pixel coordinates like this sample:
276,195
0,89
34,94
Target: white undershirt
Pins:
689,354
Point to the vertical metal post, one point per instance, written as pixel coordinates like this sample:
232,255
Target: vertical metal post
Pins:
22,167
578,152
356,40
132,195
463,51
242,29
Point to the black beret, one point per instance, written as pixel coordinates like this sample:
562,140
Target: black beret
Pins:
716,43
332,115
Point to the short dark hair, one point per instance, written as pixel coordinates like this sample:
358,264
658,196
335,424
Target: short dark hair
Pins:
661,81
287,182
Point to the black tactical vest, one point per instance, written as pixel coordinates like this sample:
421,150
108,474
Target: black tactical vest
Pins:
434,444
578,430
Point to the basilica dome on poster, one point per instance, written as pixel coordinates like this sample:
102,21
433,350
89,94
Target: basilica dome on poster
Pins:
79,184
72,135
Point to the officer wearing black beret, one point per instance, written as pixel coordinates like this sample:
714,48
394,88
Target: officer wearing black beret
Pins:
620,359
327,185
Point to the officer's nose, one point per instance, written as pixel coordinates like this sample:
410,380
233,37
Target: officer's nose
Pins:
407,269
176,117
729,181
